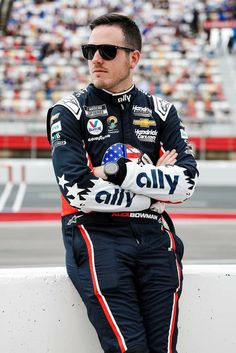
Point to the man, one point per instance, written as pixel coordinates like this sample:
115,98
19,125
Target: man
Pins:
106,144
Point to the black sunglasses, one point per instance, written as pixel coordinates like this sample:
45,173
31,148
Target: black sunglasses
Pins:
107,51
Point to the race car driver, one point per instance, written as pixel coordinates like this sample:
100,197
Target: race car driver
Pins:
107,142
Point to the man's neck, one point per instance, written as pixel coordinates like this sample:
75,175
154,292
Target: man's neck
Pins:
120,92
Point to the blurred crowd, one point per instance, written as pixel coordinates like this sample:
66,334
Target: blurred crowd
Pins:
41,60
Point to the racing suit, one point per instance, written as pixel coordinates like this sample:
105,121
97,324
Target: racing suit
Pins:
124,262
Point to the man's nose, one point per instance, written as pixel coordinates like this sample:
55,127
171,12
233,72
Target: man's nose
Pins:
97,57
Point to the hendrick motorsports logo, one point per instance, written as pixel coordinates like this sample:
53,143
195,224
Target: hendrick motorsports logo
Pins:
94,126
142,111
146,135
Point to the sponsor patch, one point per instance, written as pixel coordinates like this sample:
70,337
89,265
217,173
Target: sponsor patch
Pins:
55,137
112,124
183,134
144,216
95,111
94,126
74,219
189,151
98,138
54,117
138,215
124,98
56,127
146,93
58,144
146,135
144,122
155,178
116,197
141,111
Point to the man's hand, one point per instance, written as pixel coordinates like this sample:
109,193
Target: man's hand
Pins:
169,157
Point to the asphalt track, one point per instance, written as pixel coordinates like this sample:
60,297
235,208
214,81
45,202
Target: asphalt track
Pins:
209,234
33,244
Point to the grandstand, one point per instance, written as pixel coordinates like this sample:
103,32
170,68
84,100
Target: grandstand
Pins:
188,57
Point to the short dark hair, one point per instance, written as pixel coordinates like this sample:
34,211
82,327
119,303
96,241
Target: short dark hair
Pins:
130,29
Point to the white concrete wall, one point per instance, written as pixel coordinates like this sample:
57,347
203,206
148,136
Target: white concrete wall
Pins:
217,173
37,171
41,312
40,171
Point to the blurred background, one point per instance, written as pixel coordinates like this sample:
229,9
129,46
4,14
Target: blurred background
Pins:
189,58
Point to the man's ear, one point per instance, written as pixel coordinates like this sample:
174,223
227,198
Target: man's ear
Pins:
134,58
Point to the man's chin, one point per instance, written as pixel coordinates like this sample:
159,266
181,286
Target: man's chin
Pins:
102,84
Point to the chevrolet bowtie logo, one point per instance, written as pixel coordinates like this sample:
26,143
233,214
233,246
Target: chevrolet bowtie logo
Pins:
144,122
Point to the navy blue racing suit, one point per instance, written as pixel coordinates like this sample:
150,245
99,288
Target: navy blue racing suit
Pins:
122,259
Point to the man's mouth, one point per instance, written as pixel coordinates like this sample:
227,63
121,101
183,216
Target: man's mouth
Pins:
98,71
